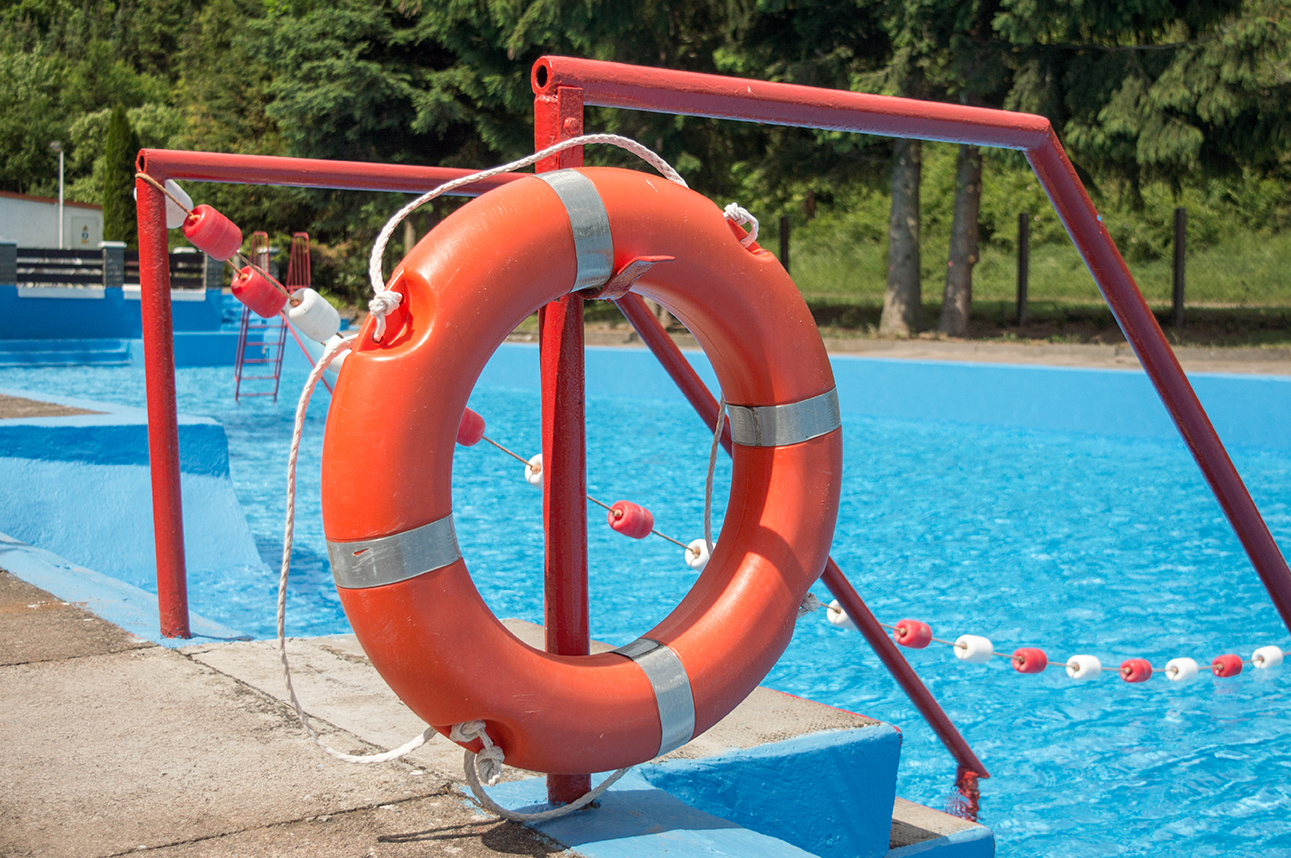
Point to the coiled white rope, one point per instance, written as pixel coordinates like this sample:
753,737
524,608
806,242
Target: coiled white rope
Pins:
488,763
386,300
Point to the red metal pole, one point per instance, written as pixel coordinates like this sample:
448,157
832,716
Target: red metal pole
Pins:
666,91
564,444
683,374
617,85
901,670
308,172
163,419
1141,328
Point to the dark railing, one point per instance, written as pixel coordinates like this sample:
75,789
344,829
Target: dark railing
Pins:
110,268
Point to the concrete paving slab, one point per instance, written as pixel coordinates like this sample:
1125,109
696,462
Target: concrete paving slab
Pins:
436,825
105,754
35,627
335,682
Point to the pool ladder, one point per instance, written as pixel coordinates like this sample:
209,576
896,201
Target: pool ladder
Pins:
261,342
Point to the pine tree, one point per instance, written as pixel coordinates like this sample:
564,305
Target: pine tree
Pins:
119,151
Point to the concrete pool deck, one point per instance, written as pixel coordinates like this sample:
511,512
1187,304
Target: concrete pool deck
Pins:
114,745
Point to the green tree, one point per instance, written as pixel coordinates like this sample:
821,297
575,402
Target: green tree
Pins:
119,150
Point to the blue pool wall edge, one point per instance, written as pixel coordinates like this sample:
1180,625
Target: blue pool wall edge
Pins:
828,794
72,314
844,780
122,604
80,486
1246,410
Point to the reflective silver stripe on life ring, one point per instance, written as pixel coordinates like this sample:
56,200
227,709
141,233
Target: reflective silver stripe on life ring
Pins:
398,557
781,425
672,693
591,224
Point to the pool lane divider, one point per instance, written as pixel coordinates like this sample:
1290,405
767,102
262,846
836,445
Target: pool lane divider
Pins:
975,649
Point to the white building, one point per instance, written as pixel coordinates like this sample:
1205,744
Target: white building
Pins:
33,222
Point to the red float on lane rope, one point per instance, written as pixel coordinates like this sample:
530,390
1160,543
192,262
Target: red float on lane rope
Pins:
212,233
1136,670
1030,660
471,429
258,292
630,519
912,633
1226,665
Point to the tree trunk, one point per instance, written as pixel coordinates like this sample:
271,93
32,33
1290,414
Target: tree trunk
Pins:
409,235
957,301
903,301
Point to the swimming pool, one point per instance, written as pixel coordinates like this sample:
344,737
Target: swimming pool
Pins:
1072,541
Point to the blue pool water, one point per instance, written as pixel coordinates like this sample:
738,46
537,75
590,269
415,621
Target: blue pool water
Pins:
1075,542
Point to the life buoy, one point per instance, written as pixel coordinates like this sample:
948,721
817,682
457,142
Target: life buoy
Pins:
388,451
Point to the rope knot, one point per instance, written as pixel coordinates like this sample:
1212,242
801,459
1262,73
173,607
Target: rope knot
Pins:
382,303
489,759
740,215
810,604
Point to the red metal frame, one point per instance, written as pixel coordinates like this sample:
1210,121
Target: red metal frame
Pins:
557,117
660,90
158,333
562,86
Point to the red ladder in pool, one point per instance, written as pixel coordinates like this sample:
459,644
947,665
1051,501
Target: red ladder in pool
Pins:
261,342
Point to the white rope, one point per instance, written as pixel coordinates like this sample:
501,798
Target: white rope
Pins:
492,756
383,238
740,215
334,348
708,481
381,304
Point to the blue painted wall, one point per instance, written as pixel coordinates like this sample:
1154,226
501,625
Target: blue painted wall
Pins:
1247,410
80,487
828,793
112,316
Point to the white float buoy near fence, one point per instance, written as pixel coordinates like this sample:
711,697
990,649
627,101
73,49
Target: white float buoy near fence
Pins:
533,470
973,649
836,615
697,554
313,315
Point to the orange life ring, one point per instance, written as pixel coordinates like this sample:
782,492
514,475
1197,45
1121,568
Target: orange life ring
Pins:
388,452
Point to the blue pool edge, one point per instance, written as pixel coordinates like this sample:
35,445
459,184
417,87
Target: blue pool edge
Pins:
122,604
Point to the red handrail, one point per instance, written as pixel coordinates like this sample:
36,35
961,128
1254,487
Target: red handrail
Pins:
661,90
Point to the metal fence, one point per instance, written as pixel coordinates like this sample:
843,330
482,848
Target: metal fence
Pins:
1239,270
112,267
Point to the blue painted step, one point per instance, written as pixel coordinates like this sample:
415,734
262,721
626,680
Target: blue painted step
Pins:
824,793
64,352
